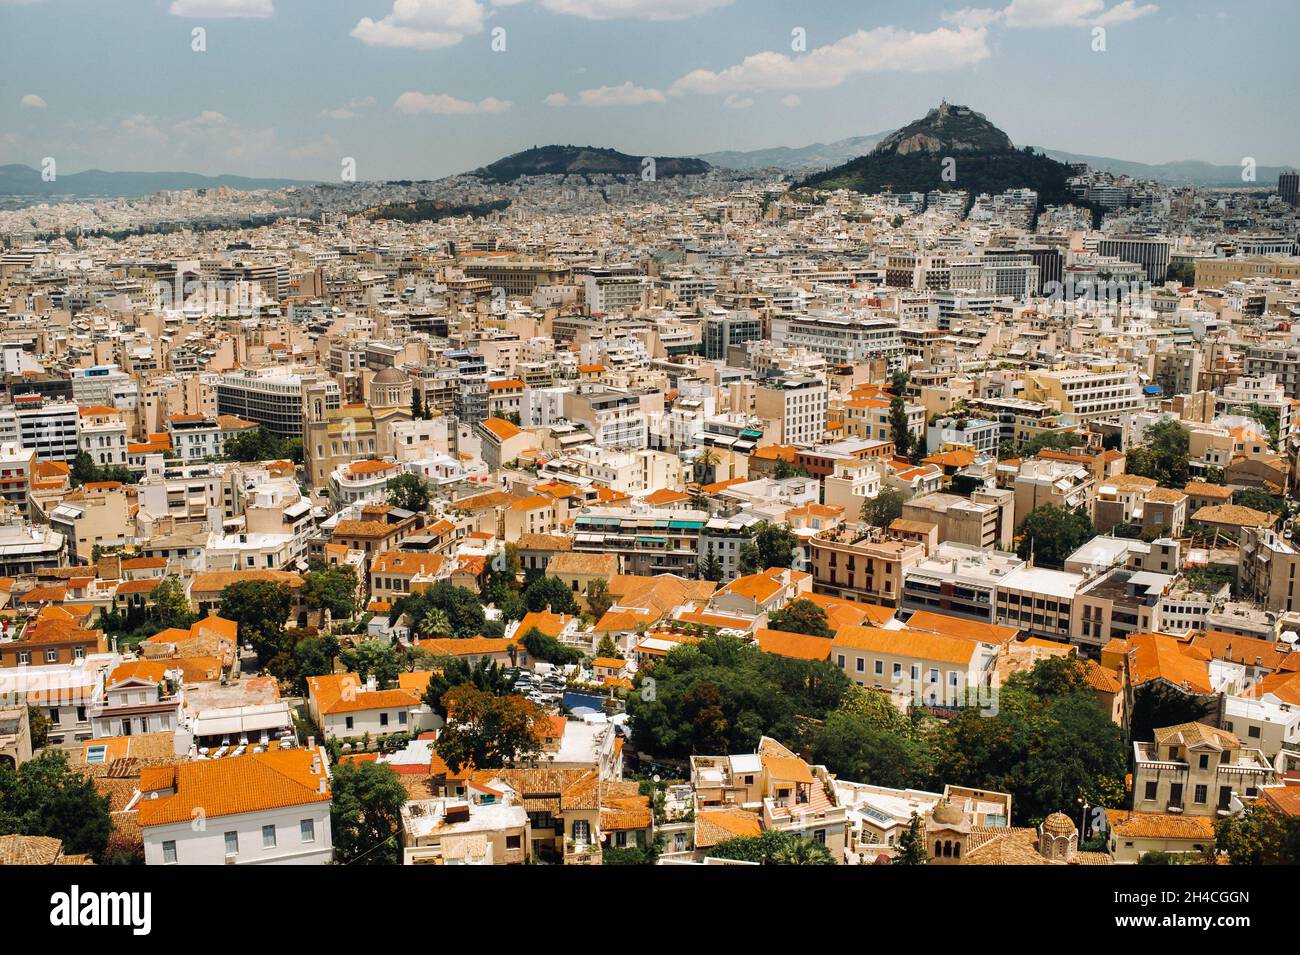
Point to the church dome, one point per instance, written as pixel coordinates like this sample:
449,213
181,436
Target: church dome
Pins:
391,376
1059,824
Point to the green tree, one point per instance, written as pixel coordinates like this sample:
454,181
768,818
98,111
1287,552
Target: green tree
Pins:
852,747
1051,441
549,592
434,623
784,470
257,444
447,672
333,589
911,844
1164,456
1259,836
43,797
599,599
38,725
374,658
487,731
171,604
417,405
1050,534
776,546
774,847
801,616
710,568
366,802
1260,500
260,608
608,649
463,607
721,694
314,656
409,492
899,429
541,646
1045,739
885,508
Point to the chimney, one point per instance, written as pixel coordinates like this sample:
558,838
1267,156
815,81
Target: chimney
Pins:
321,788
311,742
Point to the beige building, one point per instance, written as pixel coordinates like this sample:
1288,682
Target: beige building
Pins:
983,520
1197,770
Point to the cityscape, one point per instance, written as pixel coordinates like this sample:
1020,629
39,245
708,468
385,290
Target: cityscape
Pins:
609,459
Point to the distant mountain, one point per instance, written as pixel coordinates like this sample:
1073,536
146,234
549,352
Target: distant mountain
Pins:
19,180
1187,172
797,158
583,160
912,159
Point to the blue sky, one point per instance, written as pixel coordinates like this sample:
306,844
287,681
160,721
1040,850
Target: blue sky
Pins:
414,88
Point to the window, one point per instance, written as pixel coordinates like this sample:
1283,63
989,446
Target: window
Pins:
169,852
401,718
861,664
347,722
1201,794
307,829
1252,732
880,667
514,842
232,842
268,837
839,659
1150,791
383,719
1205,762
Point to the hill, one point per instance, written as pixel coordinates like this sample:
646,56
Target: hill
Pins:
19,180
911,159
583,160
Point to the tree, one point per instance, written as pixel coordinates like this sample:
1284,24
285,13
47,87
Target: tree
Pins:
900,430
1051,534
171,603
1164,456
434,623
408,491
43,797
38,725
852,747
549,593
801,616
85,471
710,568
463,607
541,646
260,608
784,470
885,508
774,847
599,599
911,844
314,656
608,649
1259,836
447,672
1051,441
417,405
1045,739
366,802
721,694
1259,500
374,658
333,589
775,546
488,731
257,444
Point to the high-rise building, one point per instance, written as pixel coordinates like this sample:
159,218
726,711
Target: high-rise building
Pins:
1288,187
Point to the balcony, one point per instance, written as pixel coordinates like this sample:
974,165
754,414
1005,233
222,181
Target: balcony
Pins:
581,854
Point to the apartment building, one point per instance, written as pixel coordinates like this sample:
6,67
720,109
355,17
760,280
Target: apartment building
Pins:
984,520
797,407
1197,770
860,568
1086,393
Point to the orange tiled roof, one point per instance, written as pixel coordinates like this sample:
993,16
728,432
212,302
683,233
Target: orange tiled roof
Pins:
235,784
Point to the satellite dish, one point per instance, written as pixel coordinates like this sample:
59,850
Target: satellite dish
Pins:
1291,637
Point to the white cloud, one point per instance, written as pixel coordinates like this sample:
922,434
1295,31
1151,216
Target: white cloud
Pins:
791,101
443,105
557,100
867,51
1036,14
350,109
32,101
212,133
626,94
973,17
221,8
325,146
423,24
634,9
738,102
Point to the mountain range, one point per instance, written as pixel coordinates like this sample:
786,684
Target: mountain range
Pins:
19,180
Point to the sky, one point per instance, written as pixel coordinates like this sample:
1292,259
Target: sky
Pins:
417,89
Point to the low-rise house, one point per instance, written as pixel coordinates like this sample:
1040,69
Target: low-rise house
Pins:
346,708
1131,835
1197,770
271,807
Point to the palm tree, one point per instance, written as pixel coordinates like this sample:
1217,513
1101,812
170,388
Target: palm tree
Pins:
704,465
800,851
435,623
